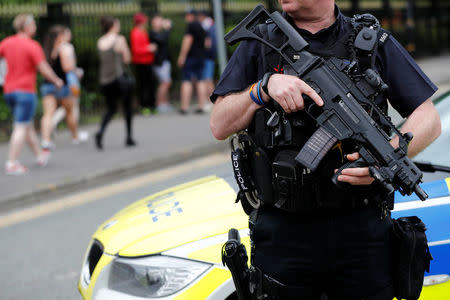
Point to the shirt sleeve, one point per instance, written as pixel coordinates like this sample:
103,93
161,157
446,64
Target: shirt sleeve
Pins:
37,55
408,85
243,69
190,29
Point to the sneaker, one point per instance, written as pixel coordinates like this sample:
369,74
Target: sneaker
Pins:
182,112
75,142
83,136
48,146
145,111
15,168
164,108
98,141
130,142
208,107
43,159
199,111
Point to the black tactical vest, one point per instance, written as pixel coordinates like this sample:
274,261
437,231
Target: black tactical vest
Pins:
272,153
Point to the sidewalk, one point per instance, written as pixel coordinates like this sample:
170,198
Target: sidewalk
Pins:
163,140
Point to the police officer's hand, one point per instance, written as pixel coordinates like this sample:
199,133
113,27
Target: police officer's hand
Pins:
355,176
287,90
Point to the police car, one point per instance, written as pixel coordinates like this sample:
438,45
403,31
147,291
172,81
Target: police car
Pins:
168,245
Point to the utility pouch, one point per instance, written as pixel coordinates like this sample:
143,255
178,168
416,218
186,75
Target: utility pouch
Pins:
286,179
262,174
295,187
411,256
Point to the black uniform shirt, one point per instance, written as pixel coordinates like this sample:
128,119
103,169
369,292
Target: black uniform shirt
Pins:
408,85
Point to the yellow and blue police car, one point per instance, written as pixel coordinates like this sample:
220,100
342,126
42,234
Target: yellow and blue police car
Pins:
168,245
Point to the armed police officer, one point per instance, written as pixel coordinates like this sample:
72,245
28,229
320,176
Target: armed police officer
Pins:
330,240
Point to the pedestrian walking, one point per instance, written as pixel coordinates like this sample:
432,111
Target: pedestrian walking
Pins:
61,57
24,57
191,60
143,56
73,79
115,80
162,67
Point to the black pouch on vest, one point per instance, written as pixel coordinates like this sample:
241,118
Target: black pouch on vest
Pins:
286,178
411,256
294,188
262,174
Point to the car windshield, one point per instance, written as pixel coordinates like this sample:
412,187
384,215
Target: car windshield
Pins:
438,152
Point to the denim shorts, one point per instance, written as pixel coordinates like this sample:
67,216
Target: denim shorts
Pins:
51,89
72,79
193,69
22,105
208,69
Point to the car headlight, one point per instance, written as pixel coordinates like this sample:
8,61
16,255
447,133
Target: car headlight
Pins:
153,276
435,279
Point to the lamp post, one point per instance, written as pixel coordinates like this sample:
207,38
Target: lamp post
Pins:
221,49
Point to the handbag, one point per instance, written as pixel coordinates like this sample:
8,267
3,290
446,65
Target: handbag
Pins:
126,80
411,256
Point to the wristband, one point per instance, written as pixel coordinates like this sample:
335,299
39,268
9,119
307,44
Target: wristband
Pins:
253,96
265,82
258,87
256,100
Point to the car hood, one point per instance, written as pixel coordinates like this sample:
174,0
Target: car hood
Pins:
171,218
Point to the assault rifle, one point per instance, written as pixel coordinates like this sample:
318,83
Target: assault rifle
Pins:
347,100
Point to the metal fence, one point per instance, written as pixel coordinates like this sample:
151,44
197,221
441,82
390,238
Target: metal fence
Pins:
421,26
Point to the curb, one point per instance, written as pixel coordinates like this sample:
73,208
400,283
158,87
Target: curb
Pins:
44,194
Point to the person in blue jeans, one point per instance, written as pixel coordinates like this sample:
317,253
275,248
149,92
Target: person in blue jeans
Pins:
209,62
191,60
24,57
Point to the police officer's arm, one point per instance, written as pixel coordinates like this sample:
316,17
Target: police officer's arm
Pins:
423,122
231,113
234,112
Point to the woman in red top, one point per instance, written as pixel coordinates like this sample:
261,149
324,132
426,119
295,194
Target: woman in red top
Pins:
24,57
142,52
